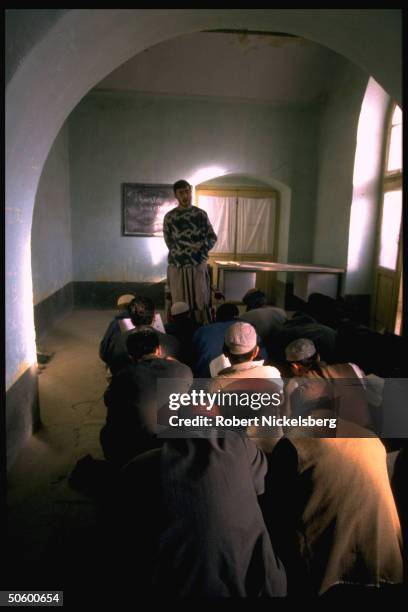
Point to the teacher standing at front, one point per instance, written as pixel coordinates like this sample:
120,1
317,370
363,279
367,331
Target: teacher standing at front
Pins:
189,236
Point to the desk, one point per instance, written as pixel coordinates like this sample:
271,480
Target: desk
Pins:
236,278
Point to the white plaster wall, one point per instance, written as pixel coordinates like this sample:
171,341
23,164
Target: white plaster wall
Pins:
51,237
269,67
338,137
24,28
367,190
121,137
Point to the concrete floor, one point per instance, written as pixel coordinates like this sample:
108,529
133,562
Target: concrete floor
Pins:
49,522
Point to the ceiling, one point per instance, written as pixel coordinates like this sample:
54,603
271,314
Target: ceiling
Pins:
257,66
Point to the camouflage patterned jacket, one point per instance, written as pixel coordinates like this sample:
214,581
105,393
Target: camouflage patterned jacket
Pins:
189,236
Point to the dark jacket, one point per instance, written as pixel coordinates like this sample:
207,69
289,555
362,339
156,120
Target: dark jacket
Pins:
184,330
133,399
112,330
303,326
193,503
117,356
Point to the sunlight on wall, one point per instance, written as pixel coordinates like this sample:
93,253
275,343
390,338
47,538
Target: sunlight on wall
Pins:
27,322
205,174
158,253
360,210
367,169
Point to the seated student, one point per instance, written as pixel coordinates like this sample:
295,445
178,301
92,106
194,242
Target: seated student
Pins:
133,399
399,488
327,310
266,319
383,354
208,341
332,512
247,373
114,326
303,326
241,348
346,378
183,328
192,523
141,311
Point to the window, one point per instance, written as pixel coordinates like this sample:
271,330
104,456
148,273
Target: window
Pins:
392,198
390,229
388,291
394,162
244,220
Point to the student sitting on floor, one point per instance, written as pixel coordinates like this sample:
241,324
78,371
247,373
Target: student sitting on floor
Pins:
302,325
346,379
192,523
183,328
114,326
248,374
208,341
241,347
265,318
142,312
332,513
133,398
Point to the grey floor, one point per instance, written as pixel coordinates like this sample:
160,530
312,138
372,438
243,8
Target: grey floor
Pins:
47,519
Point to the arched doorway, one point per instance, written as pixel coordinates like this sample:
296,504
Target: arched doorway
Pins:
66,61
236,191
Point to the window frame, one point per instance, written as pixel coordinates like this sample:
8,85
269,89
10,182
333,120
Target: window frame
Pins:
391,180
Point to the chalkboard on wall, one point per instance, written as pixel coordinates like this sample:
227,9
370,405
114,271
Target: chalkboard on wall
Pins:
143,208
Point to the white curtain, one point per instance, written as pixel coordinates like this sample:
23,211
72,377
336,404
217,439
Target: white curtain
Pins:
256,225
222,214
255,219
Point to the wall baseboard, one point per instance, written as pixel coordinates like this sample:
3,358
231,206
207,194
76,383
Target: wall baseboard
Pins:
48,311
92,294
103,295
22,399
22,412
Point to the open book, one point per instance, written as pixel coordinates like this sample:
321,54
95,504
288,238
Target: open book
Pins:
218,364
126,324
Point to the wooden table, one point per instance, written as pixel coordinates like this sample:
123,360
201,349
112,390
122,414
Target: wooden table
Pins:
236,278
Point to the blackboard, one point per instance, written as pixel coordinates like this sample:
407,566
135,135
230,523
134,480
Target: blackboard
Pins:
144,206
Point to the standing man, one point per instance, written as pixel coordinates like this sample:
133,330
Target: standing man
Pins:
189,236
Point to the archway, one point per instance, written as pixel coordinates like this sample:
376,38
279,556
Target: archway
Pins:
65,63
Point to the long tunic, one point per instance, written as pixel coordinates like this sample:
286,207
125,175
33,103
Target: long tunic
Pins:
333,512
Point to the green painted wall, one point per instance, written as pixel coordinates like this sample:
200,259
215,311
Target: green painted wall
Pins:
51,238
118,137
